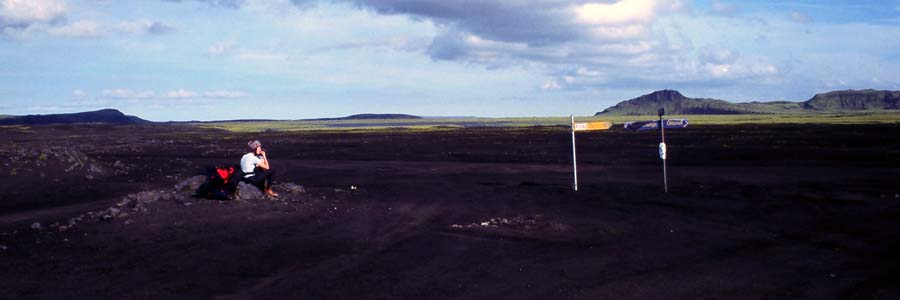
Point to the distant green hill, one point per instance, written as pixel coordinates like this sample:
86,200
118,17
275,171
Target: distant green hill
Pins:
852,100
677,104
371,117
108,116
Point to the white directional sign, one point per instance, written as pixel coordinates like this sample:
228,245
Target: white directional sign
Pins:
653,125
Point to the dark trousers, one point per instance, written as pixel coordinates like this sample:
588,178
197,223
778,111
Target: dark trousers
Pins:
261,178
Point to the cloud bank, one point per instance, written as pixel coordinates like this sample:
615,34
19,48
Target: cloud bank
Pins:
22,13
19,16
129,94
583,45
22,18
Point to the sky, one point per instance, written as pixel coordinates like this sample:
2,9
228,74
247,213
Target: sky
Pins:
178,60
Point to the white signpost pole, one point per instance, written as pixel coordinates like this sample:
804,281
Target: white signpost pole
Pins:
574,161
662,148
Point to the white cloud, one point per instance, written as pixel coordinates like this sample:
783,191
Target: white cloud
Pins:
181,94
259,55
25,12
94,29
626,48
717,55
722,9
143,26
740,69
622,20
20,19
551,85
582,71
185,94
396,43
127,94
75,104
79,29
800,17
677,5
219,49
623,32
621,12
764,69
79,94
216,94
224,94
718,70
84,103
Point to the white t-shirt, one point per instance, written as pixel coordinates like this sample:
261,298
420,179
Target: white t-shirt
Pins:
249,162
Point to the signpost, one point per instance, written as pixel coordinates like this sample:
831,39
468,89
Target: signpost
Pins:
574,160
602,125
653,125
662,146
661,124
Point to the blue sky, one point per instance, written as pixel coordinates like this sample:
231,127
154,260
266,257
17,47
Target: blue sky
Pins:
291,59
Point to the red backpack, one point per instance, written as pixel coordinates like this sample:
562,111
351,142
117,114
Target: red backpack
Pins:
221,184
225,173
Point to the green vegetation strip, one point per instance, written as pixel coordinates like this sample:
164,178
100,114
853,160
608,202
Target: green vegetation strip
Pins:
431,124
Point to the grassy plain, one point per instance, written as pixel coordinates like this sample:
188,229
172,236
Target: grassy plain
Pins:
449,123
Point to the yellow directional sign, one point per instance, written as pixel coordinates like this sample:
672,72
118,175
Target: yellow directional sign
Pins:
591,126
602,125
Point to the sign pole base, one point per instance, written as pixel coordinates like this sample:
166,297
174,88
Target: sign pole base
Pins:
574,160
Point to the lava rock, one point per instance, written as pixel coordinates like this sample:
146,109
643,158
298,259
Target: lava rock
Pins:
120,168
190,185
290,188
246,191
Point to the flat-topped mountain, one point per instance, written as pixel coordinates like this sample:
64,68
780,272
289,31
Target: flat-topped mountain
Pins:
372,117
107,116
854,100
677,104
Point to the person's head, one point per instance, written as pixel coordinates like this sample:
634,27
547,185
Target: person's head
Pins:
255,146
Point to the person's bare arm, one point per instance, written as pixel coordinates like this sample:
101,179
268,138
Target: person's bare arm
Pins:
264,163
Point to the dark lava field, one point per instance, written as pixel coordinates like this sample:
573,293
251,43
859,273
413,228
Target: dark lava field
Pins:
753,212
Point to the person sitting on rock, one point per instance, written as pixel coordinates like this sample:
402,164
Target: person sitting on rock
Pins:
257,171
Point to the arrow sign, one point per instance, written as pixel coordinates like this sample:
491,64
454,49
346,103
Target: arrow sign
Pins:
591,126
653,125
642,125
676,123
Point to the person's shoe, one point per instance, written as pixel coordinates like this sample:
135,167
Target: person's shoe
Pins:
271,193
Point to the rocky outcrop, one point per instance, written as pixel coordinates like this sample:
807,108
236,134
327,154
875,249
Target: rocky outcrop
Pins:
853,100
675,104
106,116
833,102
